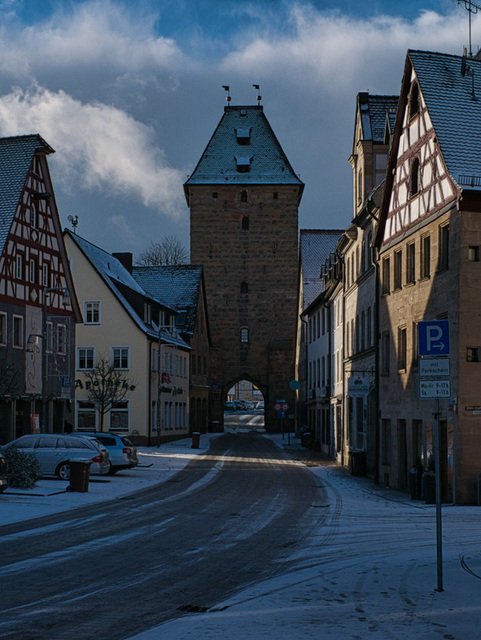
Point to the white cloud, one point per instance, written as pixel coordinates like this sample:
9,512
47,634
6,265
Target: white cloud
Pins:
99,146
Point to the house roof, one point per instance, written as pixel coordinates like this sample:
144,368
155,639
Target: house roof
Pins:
123,286
373,111
453,101
315,247
178,286
16,155
243,150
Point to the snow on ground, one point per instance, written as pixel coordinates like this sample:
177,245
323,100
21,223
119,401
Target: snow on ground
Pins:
369,572
156,465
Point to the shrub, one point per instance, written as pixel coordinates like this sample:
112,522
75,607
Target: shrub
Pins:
23,468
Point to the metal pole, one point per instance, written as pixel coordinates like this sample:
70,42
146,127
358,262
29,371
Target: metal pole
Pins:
437,467
159,385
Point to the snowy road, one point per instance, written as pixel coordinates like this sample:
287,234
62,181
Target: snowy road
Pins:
230,518
368,572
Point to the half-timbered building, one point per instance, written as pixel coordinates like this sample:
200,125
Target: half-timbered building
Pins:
429,240
38,306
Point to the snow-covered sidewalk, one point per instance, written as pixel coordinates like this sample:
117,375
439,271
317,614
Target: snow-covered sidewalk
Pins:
49,496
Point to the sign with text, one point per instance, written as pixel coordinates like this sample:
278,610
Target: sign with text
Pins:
358,386
434,367
435,388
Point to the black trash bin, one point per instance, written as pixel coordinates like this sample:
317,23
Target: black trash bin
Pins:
195,440
79,475
358,463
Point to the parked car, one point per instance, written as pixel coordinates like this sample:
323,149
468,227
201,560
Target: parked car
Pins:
3,473
240,405
260,405
229,406
54,451
122,453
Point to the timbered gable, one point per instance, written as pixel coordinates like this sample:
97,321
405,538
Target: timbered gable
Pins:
421,185
33,259
434,163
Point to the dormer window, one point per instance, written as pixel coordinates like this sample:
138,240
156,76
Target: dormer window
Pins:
243,164
243,136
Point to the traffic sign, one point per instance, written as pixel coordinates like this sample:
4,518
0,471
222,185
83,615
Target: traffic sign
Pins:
433,338
435,388
434,367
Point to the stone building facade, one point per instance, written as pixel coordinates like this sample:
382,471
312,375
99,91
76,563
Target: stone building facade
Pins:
243,198
429,238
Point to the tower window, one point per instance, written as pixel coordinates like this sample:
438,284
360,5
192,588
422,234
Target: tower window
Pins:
245,223
275,195
243,195
244,288
214,195
244,336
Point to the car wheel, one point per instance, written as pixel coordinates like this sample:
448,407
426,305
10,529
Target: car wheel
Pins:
63,471
112,470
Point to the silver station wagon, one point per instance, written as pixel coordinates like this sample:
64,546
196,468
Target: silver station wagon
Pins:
54,451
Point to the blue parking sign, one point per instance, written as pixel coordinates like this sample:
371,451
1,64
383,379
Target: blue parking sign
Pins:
433,338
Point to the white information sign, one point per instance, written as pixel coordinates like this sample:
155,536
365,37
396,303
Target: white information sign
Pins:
435,388
434,367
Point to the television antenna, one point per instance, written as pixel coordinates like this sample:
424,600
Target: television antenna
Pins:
471,7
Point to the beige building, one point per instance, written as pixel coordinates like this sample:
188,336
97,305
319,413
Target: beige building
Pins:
127,328
373,120
429,239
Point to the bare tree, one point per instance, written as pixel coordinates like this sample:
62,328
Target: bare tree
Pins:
106,387
169,251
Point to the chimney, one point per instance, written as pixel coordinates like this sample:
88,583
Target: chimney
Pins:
126,260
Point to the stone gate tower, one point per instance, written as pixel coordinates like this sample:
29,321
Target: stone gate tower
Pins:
243,197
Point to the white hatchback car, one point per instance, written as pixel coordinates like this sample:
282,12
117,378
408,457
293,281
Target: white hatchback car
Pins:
54,451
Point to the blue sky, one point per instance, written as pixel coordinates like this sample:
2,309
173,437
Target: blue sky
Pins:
129,93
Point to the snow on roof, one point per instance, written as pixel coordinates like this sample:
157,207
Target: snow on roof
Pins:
16,155
267,162
454,105
315,247
177,286
121,282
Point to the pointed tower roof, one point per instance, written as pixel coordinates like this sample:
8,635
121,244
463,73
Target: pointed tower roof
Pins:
243,150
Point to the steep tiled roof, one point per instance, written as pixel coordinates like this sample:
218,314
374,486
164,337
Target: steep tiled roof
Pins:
379,106
455,110
243,137
122,284
16,155
177,286
315,247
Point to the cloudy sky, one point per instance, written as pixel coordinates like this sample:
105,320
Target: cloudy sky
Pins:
129,93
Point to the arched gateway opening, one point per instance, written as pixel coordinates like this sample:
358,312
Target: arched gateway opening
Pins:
244,408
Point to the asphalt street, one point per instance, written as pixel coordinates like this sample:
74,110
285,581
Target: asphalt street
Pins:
234,516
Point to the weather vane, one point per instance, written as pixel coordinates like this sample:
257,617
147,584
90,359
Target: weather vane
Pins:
74,222
257,87
227,88
471,7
